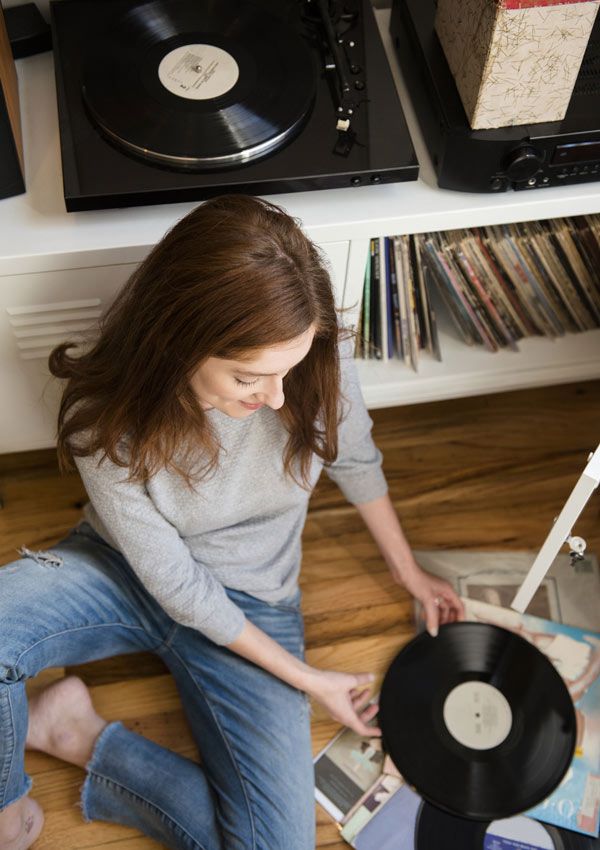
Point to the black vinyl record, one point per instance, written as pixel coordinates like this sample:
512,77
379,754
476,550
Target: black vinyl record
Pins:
477,720
199,85
437,830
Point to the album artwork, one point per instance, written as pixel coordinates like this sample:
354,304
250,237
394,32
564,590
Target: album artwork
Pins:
575,653
347,771
568,594
392,829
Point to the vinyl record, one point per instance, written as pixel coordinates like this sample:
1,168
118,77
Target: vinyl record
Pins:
436,829
199,85
477,720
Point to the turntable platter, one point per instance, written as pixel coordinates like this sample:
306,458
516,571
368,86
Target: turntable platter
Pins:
199,86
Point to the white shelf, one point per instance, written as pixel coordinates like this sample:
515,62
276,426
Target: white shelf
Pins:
37,234
471,370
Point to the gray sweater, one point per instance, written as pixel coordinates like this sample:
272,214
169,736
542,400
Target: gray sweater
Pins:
241,528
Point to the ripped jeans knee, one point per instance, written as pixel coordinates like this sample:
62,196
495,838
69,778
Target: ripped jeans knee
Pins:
46,559
11,675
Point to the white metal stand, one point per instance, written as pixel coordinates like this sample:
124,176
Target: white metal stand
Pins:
561,533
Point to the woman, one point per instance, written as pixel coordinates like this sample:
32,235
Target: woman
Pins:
199,422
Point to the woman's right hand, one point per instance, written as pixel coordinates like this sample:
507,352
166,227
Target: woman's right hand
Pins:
345,697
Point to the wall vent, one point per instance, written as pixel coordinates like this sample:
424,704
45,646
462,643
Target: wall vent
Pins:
38,328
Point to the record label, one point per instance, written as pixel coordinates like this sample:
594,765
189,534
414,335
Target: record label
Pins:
477,715
198,71
518,833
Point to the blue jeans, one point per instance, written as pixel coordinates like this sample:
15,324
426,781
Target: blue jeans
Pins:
254,788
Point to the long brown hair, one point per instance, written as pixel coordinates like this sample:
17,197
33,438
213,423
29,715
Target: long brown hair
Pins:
235,275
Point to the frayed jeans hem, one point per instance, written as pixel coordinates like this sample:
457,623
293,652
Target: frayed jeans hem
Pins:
90,773
19,795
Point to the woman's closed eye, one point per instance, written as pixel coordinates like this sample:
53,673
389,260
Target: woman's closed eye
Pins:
246,383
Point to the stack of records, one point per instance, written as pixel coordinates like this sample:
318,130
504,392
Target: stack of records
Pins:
397,318
499,284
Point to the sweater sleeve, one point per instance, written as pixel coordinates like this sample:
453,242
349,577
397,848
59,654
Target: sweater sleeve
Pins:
357,468
185,589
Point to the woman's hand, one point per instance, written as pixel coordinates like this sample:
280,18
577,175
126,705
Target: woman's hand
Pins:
440,602
344,696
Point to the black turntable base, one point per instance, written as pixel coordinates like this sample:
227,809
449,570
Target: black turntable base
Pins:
178,100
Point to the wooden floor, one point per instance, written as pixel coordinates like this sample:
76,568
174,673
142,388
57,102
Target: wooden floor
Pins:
489,472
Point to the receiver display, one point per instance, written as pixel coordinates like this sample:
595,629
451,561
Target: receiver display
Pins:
576,152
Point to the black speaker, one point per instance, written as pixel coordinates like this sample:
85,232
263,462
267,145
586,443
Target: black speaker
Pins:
11,142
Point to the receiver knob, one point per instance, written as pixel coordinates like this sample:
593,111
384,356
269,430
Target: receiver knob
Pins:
522,163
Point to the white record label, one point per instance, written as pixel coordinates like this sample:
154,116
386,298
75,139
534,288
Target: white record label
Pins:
477,715
198,71
519,833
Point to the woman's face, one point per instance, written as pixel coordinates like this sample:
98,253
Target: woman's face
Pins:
239,387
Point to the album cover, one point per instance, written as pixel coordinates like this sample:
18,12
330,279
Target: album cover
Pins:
395,299
383,300
430,330
346,770
575,653
375,300
389,298
448,293
561,282
568,594
355,782
393,827
490,273
467,263
402,297
411,304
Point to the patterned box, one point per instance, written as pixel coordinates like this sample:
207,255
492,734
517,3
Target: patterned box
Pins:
514,61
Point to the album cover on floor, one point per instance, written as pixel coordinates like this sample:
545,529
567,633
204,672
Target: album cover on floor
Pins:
568,594
575,653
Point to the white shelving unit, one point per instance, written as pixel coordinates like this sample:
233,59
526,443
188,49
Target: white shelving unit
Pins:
49,255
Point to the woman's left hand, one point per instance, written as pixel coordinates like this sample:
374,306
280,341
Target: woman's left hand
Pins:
441,604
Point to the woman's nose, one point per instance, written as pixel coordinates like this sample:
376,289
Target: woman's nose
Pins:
272,394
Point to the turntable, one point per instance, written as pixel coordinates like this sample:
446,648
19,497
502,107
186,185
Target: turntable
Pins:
176,100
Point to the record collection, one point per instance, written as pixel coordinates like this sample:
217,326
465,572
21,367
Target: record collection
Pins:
174,100
499,284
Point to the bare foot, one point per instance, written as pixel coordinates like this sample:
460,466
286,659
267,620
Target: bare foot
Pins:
20,824
63,722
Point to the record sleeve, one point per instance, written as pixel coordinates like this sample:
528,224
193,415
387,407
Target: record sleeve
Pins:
489,248
413,332
561,282
553,295
395,299
366,306
402,297
457,312
502,333
488,277
516,236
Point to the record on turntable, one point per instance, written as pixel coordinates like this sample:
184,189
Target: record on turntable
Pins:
477,720
163,101
436,829
199,85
